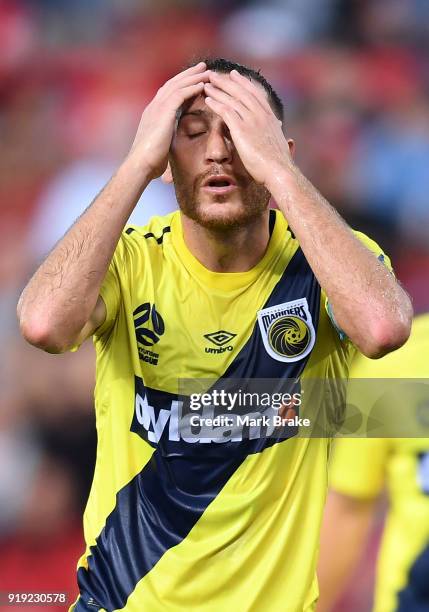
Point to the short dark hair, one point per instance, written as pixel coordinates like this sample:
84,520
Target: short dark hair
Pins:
219,64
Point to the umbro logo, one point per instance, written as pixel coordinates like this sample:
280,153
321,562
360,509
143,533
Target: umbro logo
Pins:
219,339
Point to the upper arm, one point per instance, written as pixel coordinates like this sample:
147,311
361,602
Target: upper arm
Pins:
346,517
356,475
346,520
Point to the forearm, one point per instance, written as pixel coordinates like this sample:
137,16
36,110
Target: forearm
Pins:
345,529
60,297
368,303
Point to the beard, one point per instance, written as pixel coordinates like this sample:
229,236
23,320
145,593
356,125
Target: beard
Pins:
220,212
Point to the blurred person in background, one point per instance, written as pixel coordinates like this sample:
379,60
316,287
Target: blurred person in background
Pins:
360,470
150,295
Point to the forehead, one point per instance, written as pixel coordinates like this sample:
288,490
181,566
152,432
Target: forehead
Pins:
196,107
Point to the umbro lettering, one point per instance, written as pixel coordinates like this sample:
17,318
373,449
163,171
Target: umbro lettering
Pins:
221,349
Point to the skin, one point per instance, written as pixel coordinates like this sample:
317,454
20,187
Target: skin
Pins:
346,519
238,135
202,147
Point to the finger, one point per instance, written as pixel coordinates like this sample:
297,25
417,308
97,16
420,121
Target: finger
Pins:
251,88
200,67
185,81
236,90
194,78
169,89
220,96
185,93
226,112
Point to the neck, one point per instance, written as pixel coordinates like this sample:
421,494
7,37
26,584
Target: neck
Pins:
227,250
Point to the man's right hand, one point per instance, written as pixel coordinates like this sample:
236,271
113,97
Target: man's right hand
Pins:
155,132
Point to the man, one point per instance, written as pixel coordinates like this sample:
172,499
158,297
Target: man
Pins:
359,471
223,289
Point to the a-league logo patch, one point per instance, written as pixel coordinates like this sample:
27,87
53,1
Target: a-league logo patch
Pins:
287,330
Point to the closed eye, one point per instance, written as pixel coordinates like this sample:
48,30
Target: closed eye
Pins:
195,135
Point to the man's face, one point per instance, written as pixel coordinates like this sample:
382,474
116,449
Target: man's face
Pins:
212,185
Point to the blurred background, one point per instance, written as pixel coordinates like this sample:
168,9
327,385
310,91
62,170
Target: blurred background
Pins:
74,78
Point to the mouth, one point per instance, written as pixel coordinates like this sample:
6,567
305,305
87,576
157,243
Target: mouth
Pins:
219,184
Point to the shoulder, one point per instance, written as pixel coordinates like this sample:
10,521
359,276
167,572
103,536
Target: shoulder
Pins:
142,241
140,247
154,232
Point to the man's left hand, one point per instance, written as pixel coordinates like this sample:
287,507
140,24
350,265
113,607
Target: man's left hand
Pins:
255,130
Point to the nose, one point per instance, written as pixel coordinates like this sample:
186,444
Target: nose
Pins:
219,148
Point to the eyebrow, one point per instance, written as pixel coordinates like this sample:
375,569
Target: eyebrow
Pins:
194,113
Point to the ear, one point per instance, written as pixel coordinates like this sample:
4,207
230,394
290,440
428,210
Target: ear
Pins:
167,176
291,144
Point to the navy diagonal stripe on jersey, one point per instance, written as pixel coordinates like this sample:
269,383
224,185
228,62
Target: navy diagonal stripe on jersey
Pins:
159,506
414,596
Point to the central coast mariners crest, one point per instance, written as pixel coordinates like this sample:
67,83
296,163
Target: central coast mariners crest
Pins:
287,330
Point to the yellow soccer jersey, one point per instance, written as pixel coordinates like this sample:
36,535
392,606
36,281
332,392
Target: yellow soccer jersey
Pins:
176,522
362,467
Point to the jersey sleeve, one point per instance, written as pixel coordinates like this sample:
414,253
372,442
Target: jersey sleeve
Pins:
358,466
110,294
375,248
113,283
381,256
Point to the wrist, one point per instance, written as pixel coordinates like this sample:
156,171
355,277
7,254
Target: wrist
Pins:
282,177
136,170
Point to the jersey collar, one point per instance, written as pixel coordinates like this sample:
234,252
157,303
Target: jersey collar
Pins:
228,281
